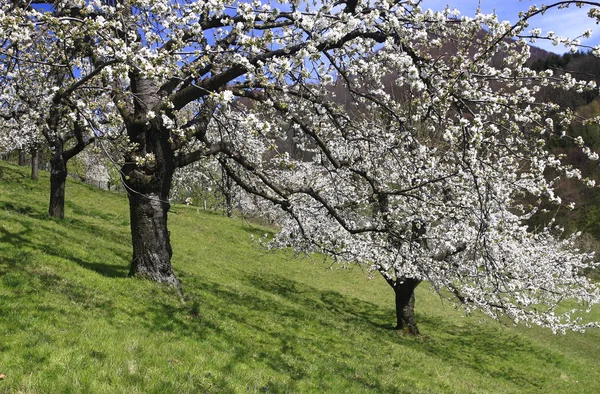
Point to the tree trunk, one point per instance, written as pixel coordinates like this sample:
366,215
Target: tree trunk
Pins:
22,158
148,186
35,162
405,305
58,178
151,239
226,186
147,175
228,203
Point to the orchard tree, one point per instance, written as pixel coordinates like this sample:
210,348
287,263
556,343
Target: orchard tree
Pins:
47,98
421,181
33,119
17,131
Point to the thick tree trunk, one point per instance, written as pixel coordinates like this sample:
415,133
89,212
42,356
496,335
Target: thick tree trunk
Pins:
151,239
35,163
147,176
148,186
58,178
405,306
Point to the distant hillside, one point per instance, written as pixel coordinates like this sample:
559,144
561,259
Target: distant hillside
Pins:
537,54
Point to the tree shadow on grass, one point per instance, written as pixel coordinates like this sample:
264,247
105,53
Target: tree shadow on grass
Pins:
488,349
348,308
250,327
23,209
480,347
77,293
26,279
57,243
110,270
286,325
69,222
255,231
91,212
8,174
15,238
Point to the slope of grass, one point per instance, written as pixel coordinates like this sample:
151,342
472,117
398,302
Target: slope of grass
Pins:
71,321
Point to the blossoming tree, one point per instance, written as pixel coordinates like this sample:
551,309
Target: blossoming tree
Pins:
17,130
47,98
422,179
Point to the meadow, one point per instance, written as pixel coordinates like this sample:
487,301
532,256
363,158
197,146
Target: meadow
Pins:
250,320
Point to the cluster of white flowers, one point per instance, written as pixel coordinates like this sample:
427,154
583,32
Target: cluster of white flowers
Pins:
147,159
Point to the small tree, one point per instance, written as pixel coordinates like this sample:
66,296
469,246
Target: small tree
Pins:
46,84
38,121
15,137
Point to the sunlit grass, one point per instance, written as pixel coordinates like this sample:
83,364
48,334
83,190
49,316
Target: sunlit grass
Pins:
251,321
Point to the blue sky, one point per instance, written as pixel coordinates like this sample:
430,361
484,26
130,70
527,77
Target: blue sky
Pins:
567,22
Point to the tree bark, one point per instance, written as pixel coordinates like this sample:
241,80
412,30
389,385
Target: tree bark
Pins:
35,163
147,175
148,185
151,239
58,168
405,305
58,178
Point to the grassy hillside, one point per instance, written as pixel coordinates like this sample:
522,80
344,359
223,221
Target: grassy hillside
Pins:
251,322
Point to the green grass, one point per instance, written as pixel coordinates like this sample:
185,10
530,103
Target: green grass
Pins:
71,321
